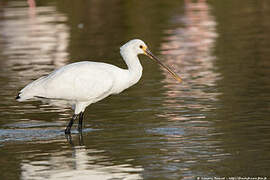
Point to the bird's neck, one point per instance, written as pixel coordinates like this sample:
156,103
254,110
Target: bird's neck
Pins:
134,66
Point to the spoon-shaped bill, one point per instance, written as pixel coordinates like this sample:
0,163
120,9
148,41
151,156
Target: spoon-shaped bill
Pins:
152,56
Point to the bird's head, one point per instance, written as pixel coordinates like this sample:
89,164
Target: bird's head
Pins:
139,47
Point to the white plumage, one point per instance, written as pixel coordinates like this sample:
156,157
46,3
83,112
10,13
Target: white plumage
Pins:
84,83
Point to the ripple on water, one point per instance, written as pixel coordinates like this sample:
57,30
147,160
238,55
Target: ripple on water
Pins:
7,135
167,131
29,132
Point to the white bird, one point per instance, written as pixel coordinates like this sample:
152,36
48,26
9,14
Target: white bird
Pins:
86,82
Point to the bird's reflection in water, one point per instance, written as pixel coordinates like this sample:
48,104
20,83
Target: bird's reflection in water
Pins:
76,162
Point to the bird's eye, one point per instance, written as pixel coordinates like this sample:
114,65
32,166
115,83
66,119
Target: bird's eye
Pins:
141,46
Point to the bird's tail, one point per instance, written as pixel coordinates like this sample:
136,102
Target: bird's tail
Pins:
23,96
31,90
18,97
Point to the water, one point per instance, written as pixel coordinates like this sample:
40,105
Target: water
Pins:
216,123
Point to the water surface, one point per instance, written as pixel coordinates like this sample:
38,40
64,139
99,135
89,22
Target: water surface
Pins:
216,123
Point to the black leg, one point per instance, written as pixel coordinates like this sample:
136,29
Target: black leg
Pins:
80,122
67,130
69,139
81,143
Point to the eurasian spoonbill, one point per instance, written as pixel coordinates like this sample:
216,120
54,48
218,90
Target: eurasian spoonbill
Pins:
86,82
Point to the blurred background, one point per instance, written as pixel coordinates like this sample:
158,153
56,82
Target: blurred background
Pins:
216,123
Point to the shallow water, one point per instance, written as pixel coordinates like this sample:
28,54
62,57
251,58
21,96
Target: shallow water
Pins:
216,123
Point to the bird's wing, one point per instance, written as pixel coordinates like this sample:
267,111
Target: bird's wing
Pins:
80,82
